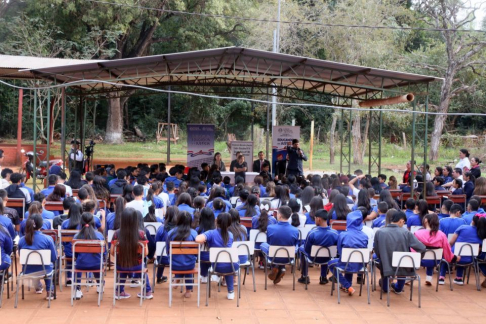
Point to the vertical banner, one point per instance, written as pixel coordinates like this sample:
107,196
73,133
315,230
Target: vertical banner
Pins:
281,136
200,144
246,148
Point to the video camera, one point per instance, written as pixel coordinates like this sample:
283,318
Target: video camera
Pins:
89,150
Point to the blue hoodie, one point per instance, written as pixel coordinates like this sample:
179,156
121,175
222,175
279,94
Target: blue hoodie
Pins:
353,237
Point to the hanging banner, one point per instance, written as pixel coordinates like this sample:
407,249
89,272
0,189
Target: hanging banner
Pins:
281,136
246,148
200,144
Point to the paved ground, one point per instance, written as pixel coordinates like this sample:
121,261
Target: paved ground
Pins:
279,304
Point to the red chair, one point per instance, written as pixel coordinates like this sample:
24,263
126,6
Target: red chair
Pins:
338,225
54,206
457,199
246,221
395,193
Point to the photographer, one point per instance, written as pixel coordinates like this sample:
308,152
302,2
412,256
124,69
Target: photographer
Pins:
76,157
295,156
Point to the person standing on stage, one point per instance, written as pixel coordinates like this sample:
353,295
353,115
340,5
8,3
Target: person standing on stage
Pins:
295,157
240,167
76,157
233,163
258,164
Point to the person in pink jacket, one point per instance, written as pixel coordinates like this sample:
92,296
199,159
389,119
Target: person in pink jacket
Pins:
433,238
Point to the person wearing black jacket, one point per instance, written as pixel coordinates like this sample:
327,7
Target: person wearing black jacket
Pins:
296,156
257,164
117,187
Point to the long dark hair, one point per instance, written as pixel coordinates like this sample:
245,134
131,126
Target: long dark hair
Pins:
34,223
385,196
128,239
58,194
340,207
2,208
263,221
128,193
74,216
239,234
316,203
480,223
423,209
224,223
218,204
184,198
433,221
206,221
120,203
250,206
87,231
171,218
307,194
183,227
99,189
75,180
281,194
35,208
364,199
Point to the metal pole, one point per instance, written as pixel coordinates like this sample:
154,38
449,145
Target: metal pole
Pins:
349,140
85,116
342,140
412,161
19,126
370,126
63,128
426,139
34,175
48,134
252,120
379,141
278,29
168,128
268,132
311,150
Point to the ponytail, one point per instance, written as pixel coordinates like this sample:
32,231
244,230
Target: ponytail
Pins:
34,223
263,221
87,231
295,220
480,223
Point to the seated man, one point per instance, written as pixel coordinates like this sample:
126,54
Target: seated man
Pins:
380,220
395,238
117,186
5,181
353,238
321,235
281,234
471,211
52,181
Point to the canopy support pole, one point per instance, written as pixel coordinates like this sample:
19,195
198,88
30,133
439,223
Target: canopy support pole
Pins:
63,128
168,128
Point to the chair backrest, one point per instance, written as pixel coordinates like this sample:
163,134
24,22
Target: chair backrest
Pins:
350,206
318,251
52,233
304,232
405,196
355,255
35,257
433,254
160,249
457,199
277,251
54,206
246,221
101,204
88,246
159,212
113,197
406,260
433,200
245,248
16,202
338,225
449,236
442,193
466,249
483,249
223,255
190,248
51,221
311,226
413,229
257,236
152,227
75,192
67,235
109,236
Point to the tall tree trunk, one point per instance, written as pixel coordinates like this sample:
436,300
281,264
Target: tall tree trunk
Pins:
365,137
332,139
114,126
356,139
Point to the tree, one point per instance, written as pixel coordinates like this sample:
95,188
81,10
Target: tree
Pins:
461,50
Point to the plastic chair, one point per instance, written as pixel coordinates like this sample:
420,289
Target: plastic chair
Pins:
247,248
65,236
223,255
160,250
281,252
436,256
30,258
142,271
468,250
90,247
185,248
320,252
152,227
353,256
409,260
3,276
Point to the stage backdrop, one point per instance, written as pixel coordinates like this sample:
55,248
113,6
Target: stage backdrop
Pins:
200,144
281,136
246,148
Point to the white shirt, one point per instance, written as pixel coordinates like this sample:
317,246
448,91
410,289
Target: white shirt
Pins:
69,190
4,183
302,219
78,156
371,236
165,199
464,163
137,205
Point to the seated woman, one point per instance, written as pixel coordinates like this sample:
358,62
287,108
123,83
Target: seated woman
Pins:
249,207
35,240
128,259
113,220
161,236
6,247
434,239
239,231
183,233
316,203
184,203
457,185
218,206
88,261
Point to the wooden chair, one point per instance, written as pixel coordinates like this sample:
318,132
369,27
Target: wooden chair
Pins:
113,197
185,248
246,221
395,193
17,203
54,206
75,192
338,225
65,236
458,199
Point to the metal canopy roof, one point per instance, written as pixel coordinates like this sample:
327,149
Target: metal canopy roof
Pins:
238,68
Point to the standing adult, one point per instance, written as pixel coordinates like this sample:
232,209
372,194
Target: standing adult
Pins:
464,164
76,157
217,161
240,167
296,155
233,163
258,164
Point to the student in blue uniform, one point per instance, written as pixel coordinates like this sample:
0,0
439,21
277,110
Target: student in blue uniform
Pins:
457,185
321,235
239,231
128,258
282,234
471,211
184,203
6,247
450,224
218,207
380,221
220,237
316,204
438,182
422,209
183,233
6,222
72,223
218,192
35,208
469,181
249,207
175,177
35,240
355,238
40,198
474,233
161,236
445,209
264,219
113,220
447,173
88,261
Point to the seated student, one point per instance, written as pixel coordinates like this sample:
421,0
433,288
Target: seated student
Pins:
66,204
315,204
469,181
339,209
161,236
239,231
295,205
170,187
184,203
471,211
6,222
235,190
128,258
220,237
410,207
113,219
227,185
433,238
445,209
116,187
353,237
282,234
449,224
10,212
474,233
421,209
89,206
35,208
249,207
381,219
6,248
321,235
382,181
183,233
364,199
438,182
457,185
259,182
264,219
52,181
393,237
137,203
202,191
88,261
45,213
175,176
35,240
5,181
